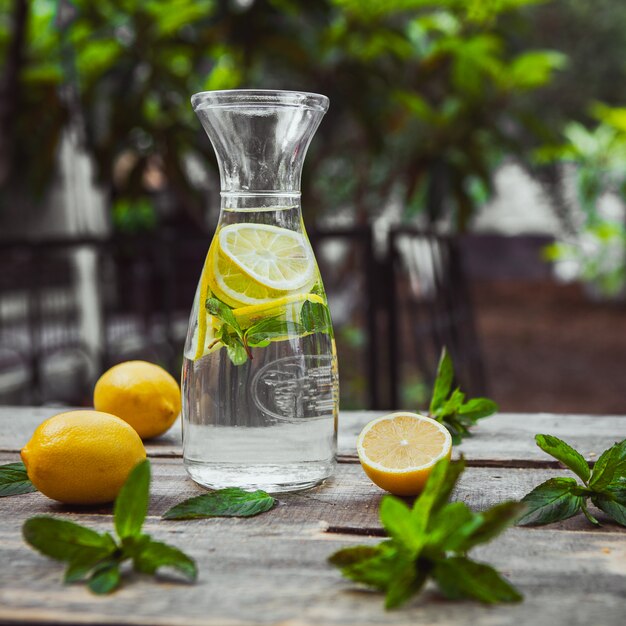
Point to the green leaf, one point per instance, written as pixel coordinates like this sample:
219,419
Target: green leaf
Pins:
397,520
452,404
272,328
315,317
65,541
14,480
230,502
477,408
224,313
552,501
493,522
566,454
614,508
443,487
378,570
131,504
443,382
610,468
403,582
155,554
459,577
82,564
236,352
105,578
451,525
353,555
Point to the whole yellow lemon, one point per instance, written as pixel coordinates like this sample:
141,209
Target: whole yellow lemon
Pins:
142,394
82,457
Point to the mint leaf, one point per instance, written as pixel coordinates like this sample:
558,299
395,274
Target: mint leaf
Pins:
554,500
230,502
443,382
451,526
492,523
224,313
353,555
477,408
155,554
14,480
404,581
430,540
459,577
610,468
315,317
566,454
614,508
98,556
270,328
375,571
131,504
397,520
82,564
65,541
105,578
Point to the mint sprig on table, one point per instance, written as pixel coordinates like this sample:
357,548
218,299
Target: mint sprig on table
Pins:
314,317
98,557
14,480
431,541
450,406
228,502
561,498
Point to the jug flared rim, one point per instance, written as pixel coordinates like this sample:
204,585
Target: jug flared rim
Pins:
232,98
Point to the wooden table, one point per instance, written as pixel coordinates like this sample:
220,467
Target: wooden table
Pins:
272,569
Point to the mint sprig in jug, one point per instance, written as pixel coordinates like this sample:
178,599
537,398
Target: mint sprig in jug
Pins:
260,384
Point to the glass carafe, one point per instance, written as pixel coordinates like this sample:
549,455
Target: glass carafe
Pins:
260,384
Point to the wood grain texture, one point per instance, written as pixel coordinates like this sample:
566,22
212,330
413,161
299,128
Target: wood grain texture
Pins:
504,439
272,569
348,503
247,577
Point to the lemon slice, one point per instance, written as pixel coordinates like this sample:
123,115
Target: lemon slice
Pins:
288,307
398,451
276,258
233,286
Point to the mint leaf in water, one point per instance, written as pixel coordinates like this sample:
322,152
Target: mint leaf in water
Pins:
14,480
97,556
272,328
224,313
561,498
430,540
315,317
449,406
230,502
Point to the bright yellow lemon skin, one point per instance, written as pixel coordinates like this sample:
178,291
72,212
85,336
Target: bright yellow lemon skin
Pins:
82,457
142,394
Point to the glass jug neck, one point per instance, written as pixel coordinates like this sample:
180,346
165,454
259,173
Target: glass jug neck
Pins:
247,201
260,139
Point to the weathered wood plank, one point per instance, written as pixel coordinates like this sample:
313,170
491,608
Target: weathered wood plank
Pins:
247,577
505,439
346,504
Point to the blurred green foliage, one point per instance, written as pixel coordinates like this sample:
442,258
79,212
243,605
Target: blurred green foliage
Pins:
595,252
425,96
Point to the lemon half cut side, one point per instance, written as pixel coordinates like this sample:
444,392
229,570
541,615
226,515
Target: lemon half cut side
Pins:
398,451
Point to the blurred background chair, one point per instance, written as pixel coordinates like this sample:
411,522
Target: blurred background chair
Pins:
429,307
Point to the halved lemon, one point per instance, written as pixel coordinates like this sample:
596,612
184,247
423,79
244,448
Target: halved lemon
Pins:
398,451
